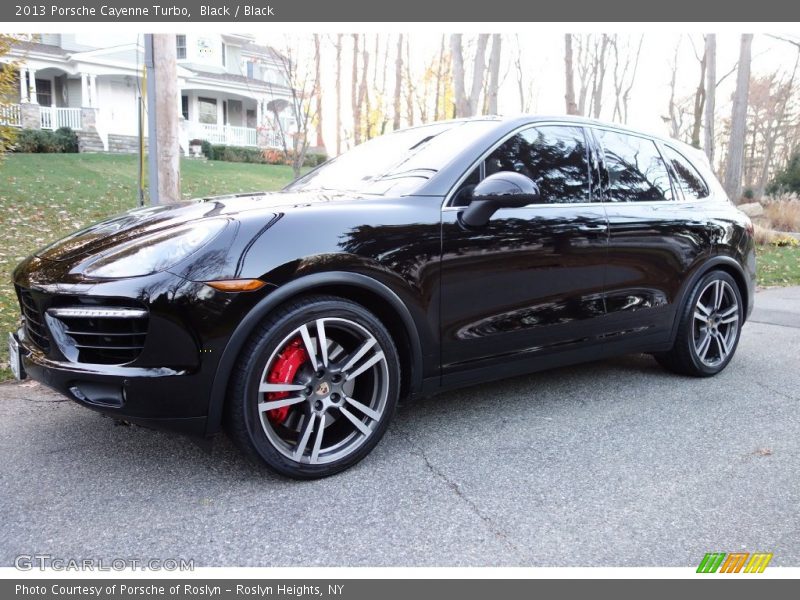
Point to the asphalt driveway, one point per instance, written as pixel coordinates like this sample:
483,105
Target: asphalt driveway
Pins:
613,463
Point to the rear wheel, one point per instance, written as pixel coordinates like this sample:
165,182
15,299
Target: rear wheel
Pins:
315,389
709,328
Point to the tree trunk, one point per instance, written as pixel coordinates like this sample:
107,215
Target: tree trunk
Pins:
339,94
699,102
409,87
354,93
318,90
711,89
494,73
363,91
439,80
478,74
735,162
569,70
398,82
461,106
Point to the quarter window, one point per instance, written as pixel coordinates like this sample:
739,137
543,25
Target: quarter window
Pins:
553,156
686,176
636,171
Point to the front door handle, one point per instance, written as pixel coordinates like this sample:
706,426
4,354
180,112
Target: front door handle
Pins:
588,227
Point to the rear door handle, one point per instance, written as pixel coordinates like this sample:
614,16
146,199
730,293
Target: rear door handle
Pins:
592,227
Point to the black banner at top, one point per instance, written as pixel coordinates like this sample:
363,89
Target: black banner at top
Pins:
400,11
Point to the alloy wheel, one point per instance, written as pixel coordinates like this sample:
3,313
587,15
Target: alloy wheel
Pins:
715,323
323,391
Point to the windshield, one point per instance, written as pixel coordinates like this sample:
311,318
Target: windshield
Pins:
399,162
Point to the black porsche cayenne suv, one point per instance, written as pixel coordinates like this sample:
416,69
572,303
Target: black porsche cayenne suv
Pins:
427,259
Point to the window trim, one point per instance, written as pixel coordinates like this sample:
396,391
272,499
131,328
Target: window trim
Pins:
179,47
446,204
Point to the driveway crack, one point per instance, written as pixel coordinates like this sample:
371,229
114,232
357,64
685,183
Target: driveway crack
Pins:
495,529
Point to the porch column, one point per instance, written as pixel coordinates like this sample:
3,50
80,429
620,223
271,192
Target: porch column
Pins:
259,114
23,85
32,87
85,90
93,91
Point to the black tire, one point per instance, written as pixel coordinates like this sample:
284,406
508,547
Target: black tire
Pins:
267,442
685,356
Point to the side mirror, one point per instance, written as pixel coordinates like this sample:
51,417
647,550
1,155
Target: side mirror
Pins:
506,189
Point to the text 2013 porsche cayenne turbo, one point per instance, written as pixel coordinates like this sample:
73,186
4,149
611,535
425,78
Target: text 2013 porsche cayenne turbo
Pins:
426,259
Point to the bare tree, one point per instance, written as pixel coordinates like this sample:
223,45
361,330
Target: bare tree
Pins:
354,96
339,93
699,96
494,74
457,53
363,125
569,71
478,73
592,60
439,79
524,82
410,87
301,106
626,64
711,95
735,160
318,90
398,82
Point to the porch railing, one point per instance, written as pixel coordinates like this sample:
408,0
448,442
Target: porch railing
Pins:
53,117
9,115
230,135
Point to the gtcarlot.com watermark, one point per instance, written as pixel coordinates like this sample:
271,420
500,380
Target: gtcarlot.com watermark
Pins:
48,562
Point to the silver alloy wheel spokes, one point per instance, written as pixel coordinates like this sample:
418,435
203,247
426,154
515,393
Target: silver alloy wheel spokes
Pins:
716,323
337,397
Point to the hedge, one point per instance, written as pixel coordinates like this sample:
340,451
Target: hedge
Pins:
243,154
62,140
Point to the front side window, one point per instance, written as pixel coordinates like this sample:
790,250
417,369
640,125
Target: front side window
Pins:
636,171
686,176
553,156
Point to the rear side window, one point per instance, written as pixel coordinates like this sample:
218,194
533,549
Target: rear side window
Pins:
554,156
636,171
686,176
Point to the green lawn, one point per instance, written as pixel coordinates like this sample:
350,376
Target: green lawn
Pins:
778,265
46,196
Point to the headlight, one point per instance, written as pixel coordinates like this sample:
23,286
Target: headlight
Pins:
155,252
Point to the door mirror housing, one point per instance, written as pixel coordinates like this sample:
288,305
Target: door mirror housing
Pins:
506,189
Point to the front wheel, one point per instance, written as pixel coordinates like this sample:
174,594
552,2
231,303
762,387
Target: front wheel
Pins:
315,388
709,328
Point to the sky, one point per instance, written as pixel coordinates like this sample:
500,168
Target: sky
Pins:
543,59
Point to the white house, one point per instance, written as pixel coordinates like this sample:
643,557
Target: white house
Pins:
230,88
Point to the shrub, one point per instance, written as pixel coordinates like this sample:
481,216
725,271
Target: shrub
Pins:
788,180
749,194
45,141
268,156
784,215
66,140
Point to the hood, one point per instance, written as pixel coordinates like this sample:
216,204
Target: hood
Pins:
144,221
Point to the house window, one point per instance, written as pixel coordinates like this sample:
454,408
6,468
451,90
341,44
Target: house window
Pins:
44,92
207,110
224,54
250,69
180,46
185,107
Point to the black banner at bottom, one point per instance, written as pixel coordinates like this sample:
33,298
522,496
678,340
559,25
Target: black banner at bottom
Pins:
390,589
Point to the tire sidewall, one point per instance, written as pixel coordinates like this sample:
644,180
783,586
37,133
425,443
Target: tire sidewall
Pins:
263,350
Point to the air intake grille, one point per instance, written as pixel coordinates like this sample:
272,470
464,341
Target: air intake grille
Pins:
34,320
108,335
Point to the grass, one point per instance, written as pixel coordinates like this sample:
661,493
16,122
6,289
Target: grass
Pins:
778,265
43,197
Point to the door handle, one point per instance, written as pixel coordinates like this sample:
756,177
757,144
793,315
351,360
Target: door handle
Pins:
588,227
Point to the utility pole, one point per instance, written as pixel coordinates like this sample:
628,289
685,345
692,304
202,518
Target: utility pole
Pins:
162,118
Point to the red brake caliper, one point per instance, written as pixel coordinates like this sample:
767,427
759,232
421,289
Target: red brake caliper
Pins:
284,371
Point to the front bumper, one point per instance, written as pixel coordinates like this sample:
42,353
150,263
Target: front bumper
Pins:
168,384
